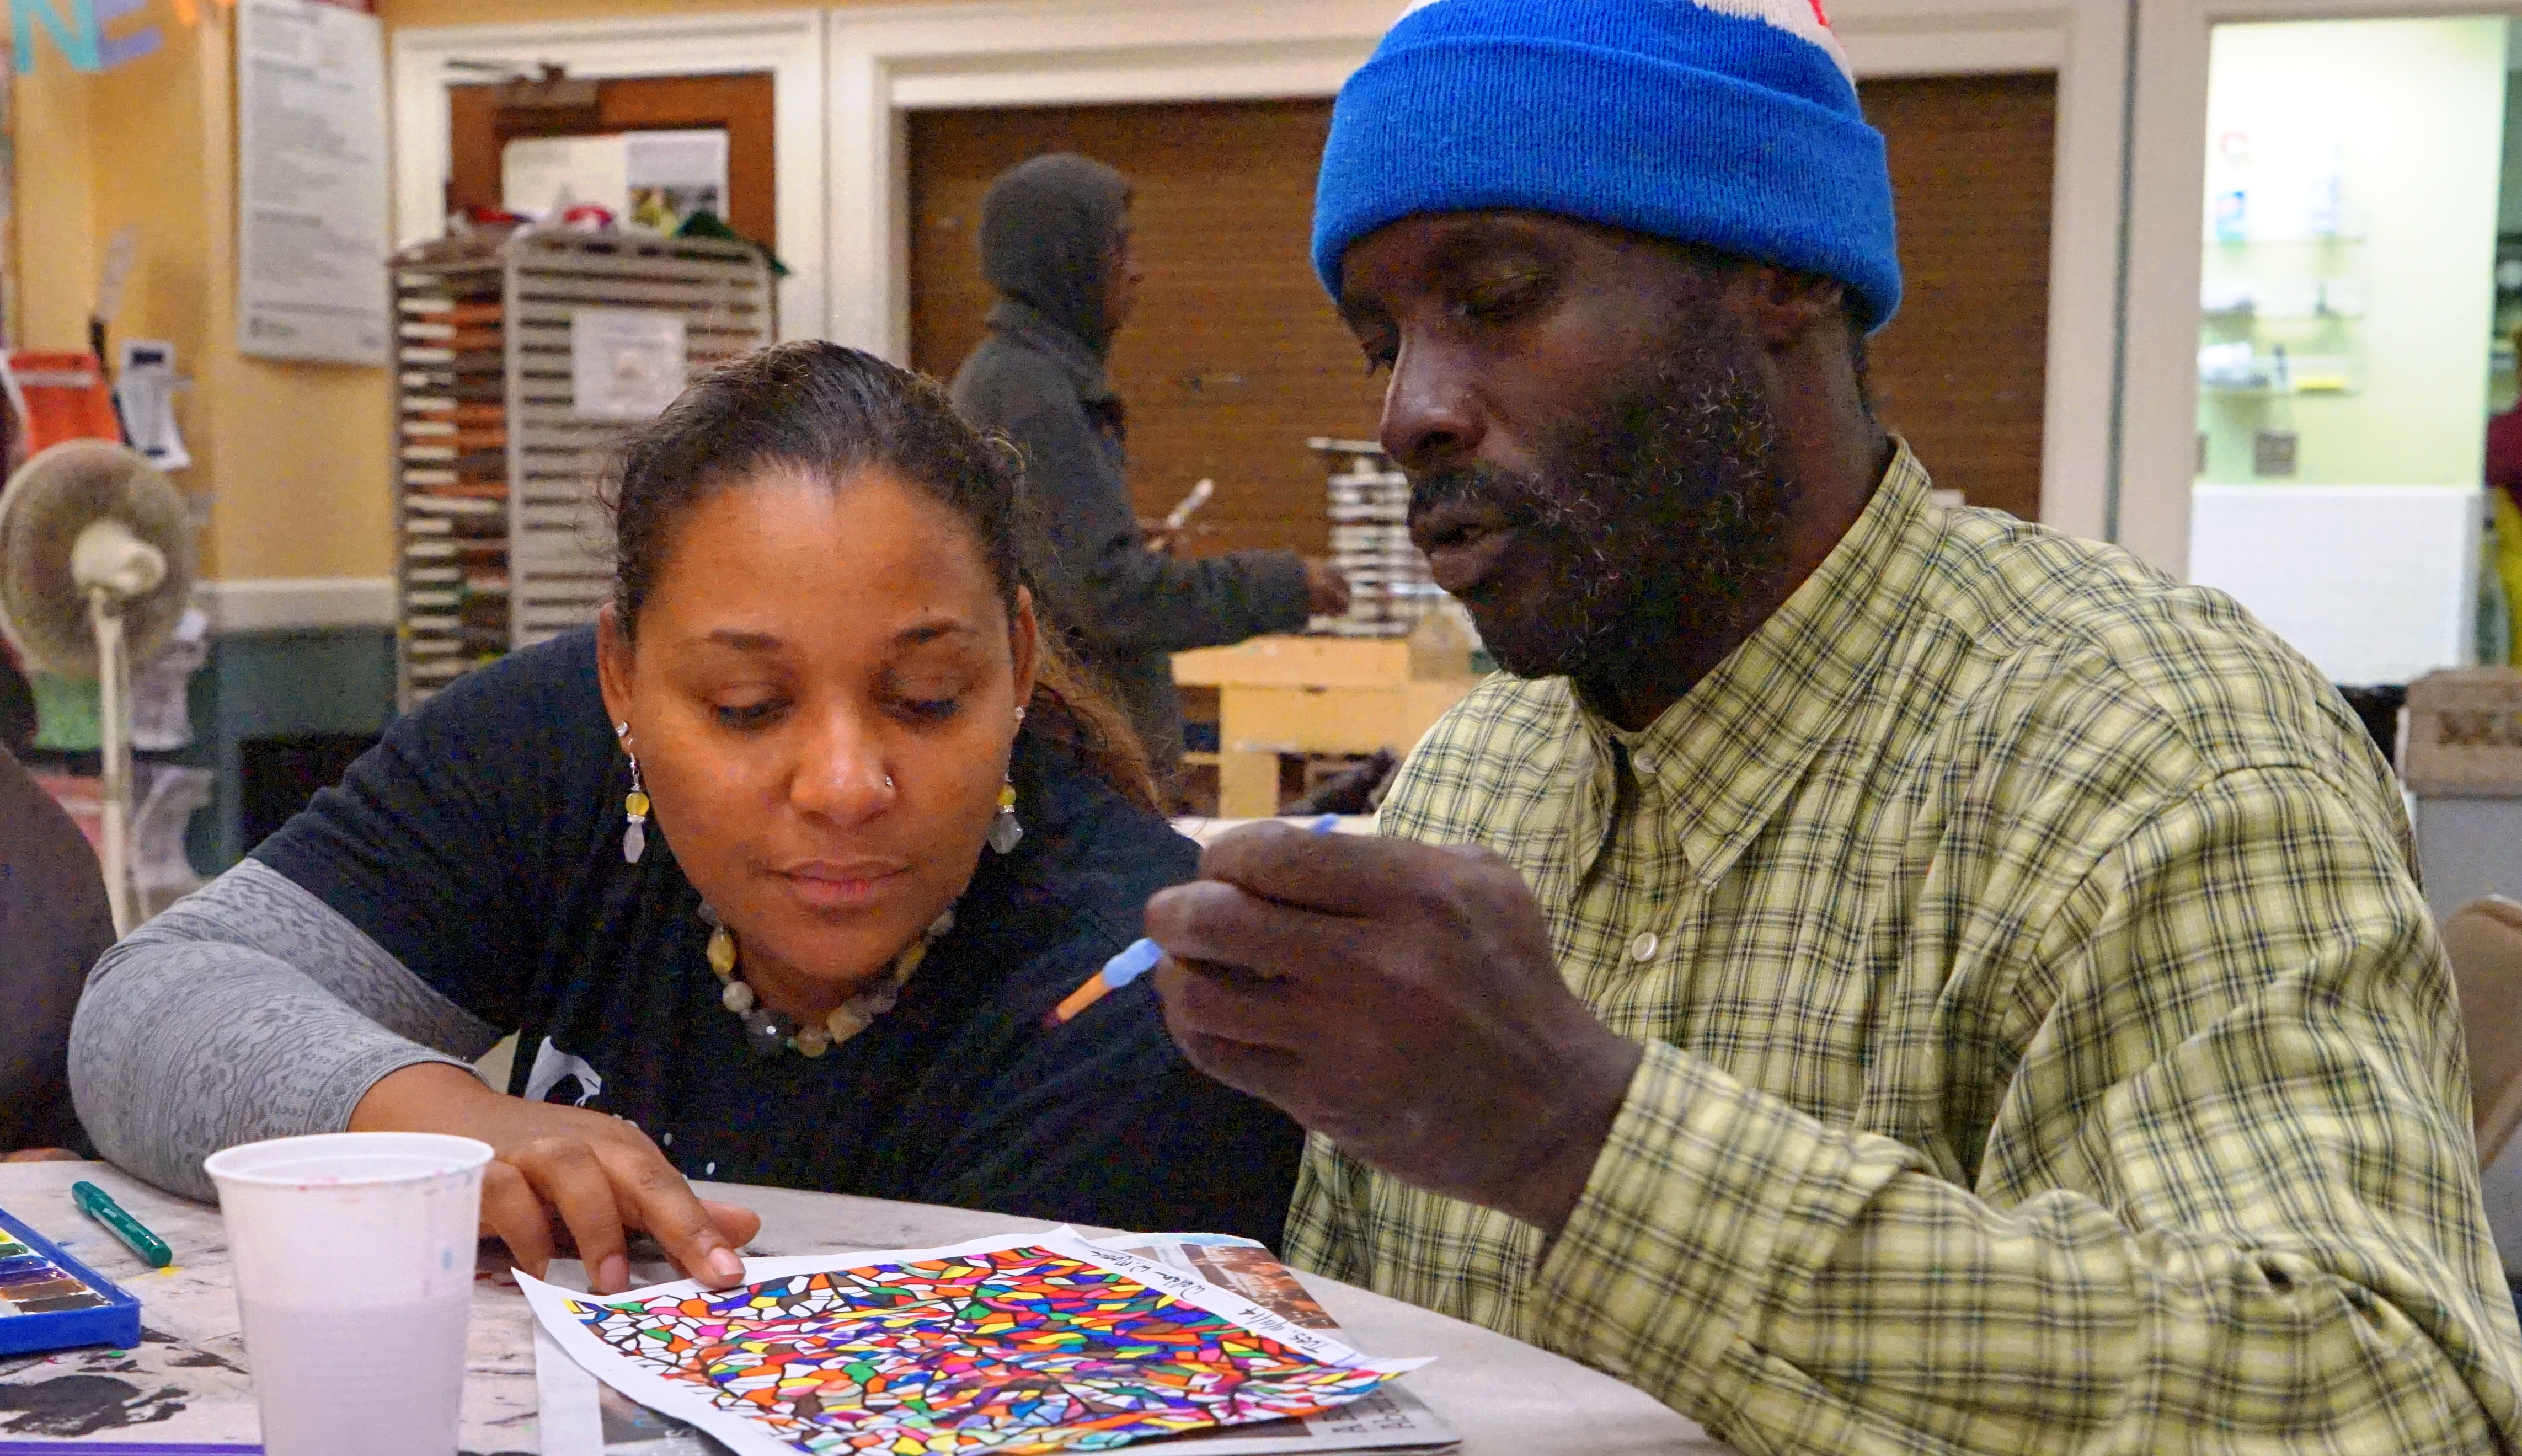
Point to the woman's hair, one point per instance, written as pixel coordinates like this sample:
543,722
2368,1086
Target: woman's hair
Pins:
830,412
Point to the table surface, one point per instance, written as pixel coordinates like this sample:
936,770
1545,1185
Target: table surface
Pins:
187,1382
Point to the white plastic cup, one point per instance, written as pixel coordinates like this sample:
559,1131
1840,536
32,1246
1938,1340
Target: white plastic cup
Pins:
353,1260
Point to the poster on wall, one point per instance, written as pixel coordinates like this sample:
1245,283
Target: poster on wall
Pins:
313,224
652,180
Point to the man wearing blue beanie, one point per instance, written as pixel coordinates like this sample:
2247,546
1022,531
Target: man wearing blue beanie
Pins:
1880,977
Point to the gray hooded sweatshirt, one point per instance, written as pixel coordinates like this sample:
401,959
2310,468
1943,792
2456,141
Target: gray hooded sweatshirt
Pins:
1047,230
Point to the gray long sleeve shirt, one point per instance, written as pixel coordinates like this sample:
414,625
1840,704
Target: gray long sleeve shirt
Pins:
1044,390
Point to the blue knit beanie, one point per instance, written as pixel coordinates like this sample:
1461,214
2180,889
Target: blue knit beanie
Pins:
1730,124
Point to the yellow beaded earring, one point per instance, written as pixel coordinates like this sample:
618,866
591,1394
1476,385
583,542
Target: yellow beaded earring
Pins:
634,804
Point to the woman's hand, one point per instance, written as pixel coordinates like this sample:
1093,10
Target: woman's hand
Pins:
595,1173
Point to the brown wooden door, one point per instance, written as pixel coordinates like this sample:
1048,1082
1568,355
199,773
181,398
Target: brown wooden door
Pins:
480,128
1234,357
1962,370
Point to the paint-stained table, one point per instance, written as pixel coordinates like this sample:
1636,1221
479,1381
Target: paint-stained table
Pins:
187,1383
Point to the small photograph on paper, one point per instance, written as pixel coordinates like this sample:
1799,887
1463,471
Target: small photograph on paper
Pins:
626,365
670,175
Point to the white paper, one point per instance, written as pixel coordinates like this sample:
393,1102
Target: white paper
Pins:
683,1402
541,176
625,364
145,389
312,225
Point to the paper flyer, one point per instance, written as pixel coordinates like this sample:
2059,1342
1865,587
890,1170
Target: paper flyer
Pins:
312,214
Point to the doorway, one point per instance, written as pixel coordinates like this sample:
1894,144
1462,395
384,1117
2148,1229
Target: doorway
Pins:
2345,317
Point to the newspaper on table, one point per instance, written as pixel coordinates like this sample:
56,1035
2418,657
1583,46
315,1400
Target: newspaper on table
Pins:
582,1415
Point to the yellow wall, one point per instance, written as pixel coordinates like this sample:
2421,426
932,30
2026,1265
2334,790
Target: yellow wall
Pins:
56,208
294,458
291,456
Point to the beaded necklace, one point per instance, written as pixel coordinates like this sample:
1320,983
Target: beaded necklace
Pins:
767,1032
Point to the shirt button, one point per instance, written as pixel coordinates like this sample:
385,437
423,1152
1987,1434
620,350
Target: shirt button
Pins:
1645,764
1643,947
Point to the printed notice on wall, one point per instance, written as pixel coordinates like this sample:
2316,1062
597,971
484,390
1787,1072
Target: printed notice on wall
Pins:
653,180
625,364
312,221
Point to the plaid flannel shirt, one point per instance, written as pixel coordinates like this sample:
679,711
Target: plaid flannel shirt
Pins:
2047,1047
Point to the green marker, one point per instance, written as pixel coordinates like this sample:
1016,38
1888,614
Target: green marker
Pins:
99,1204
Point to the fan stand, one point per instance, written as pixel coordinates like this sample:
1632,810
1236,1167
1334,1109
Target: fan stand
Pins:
114,691
113,567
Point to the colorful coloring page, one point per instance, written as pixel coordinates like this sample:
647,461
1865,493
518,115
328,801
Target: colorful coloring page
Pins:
1038,1343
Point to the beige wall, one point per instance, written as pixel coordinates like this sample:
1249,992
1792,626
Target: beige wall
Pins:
293,457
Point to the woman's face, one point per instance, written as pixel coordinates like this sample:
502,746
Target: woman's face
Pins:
821,694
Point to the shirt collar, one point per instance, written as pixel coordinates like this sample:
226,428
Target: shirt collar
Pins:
1724,758
1033,329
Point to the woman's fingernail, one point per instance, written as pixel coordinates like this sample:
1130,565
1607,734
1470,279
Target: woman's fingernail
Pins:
724,1264
614,1274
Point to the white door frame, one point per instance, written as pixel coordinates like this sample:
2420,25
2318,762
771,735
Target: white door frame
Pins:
787,43
2086,43
2159,440
884,62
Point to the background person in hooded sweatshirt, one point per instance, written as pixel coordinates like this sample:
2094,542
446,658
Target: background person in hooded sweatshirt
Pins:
1055,244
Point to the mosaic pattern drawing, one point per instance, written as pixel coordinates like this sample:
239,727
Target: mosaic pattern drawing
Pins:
1014,1350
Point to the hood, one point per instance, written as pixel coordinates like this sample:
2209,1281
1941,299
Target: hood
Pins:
1047,227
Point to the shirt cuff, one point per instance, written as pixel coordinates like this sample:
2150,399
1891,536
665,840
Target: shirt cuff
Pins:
1283,600
1707,1198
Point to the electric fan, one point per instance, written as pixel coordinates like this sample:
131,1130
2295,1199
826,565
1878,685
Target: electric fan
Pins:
96,566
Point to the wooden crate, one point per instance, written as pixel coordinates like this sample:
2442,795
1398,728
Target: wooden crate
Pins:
1291,695
2464,734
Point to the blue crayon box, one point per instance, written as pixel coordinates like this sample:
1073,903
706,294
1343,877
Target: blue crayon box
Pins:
50,1301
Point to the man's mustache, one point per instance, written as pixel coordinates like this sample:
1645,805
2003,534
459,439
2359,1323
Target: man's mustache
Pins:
1510,495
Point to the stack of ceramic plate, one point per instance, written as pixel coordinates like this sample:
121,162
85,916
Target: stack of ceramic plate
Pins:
1369,503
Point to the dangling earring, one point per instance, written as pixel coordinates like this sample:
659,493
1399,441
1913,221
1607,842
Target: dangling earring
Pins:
1004,831
634,804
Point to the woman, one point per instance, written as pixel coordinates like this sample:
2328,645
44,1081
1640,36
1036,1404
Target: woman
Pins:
775,871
